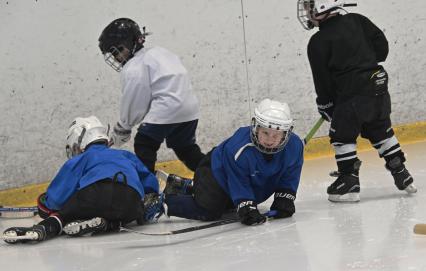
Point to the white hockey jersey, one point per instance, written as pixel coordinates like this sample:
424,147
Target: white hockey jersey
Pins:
156,89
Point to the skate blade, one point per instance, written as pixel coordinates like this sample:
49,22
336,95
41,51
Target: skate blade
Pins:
411,189
11,237
349,197
76,227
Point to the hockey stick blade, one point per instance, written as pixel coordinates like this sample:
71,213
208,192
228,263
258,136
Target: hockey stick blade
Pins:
18,212
269,214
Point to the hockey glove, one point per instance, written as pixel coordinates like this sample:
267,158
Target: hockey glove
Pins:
248,213
43,211
284,203
325,109
119,135
153,206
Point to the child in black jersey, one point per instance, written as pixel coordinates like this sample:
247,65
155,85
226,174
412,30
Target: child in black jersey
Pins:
352,91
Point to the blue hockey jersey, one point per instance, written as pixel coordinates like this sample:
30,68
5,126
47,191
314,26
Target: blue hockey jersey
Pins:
96,163
244,174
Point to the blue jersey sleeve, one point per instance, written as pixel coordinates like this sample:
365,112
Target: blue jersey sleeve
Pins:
291,177
148,180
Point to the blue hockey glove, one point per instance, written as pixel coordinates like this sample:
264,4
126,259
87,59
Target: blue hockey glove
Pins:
249,214
153,206
284,203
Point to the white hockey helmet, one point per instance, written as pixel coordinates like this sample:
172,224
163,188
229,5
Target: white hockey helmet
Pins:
82,132
272,115
306,9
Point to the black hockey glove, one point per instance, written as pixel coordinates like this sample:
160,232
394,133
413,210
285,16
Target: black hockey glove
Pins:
325,109
284,203
248,213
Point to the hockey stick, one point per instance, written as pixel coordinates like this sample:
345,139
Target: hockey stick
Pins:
163,176
18,212
313,131
269,214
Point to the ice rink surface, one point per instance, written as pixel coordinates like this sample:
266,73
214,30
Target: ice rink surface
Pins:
374,234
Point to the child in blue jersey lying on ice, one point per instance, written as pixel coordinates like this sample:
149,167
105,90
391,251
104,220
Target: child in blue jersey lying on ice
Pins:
243,171
96,190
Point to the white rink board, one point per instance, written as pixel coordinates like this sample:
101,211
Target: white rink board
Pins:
52,69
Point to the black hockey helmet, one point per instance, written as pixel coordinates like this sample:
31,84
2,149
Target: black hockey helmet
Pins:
119,34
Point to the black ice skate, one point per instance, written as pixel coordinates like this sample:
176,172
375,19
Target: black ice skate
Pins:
15,235
82,227
174,183
345,189
403,179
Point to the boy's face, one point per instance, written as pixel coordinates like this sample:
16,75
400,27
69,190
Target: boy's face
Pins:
269,138
121,54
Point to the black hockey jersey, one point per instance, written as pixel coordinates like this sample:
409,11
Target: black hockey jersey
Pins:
344,56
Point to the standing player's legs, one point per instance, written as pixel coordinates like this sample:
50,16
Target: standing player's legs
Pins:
344,130
381,135
183,142
147,142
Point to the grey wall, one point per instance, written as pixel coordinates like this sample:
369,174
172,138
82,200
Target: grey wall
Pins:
52,71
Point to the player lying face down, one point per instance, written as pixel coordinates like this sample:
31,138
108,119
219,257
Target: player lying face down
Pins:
97,190
243,171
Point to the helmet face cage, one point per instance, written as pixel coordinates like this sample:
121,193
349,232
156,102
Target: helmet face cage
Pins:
304,13
306,9
118,35
255,137
272,115
114,63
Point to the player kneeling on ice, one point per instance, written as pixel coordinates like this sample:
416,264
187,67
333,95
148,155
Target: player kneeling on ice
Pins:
96,190
244,171
352,92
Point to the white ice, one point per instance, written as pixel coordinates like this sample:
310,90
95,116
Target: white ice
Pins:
374,234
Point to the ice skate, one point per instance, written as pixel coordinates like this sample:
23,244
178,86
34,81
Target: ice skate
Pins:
174,183
154,207
82,227
15,235
403,179
345,189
